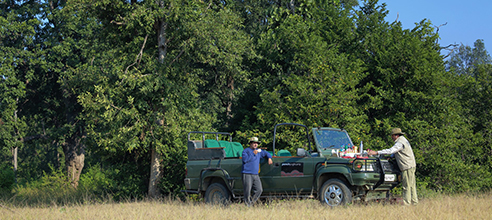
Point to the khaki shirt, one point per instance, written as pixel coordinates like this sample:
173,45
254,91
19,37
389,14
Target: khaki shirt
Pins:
403,153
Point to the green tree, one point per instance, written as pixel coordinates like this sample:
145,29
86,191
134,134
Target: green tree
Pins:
219,51
56,131
17,67
303,75
465,60
148,67
474,95
116,85
473,66
409,88
65,36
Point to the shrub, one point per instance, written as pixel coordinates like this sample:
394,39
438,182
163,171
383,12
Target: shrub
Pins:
119,181
51,188
7,178
95,181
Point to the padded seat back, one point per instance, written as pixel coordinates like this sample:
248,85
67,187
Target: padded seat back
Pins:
284,153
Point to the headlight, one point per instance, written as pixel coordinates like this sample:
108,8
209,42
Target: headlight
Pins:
364,165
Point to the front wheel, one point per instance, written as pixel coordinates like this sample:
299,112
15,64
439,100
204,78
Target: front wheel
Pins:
335,192
217,193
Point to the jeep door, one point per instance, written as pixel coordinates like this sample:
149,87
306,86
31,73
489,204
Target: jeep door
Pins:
288,174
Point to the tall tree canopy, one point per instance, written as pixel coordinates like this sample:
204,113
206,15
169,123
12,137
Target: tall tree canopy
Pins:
17,69
105,91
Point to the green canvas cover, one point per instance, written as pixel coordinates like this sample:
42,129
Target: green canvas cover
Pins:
210,143
238,149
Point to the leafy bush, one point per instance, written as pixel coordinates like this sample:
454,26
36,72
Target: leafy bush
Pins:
121,181
7,178
53,187
173,167
95,181
128,183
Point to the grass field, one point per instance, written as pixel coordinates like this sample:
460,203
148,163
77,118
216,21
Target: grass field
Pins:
440,207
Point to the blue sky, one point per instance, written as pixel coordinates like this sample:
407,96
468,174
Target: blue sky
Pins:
467,21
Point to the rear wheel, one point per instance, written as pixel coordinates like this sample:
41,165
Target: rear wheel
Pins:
217,193
335,192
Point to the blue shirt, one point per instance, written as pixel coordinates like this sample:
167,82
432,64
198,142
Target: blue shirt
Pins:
251,162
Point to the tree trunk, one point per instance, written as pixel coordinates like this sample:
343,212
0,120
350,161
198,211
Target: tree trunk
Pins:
155,174
155,166
161,39
230,99
74,159
14,161
15,148
73,147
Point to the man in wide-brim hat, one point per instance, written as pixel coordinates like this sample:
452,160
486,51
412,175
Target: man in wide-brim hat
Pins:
254,140
396,131
406,162
250,170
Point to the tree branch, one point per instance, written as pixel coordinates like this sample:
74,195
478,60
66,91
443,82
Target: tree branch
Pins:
117,22
452,46
139,55
181,52
437,30
119,109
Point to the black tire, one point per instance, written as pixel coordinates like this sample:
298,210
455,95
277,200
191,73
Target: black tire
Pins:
217,193
335,192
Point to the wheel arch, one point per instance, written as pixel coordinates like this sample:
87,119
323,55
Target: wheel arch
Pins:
341,173
217,193
209,180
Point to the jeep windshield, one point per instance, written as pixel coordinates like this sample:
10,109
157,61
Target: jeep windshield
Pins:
328,139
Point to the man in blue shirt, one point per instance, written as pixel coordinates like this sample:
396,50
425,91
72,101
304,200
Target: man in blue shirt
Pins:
251,167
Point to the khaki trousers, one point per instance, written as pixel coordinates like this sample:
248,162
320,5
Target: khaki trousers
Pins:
409,187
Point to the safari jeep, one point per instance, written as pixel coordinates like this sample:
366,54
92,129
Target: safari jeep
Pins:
321,171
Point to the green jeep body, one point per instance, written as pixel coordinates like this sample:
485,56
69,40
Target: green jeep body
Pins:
214,170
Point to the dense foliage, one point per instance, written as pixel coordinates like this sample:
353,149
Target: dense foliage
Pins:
98,95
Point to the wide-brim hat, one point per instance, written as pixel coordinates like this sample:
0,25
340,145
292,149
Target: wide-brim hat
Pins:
254,139
396,131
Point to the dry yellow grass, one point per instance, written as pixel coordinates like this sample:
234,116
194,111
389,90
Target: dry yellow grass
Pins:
443,207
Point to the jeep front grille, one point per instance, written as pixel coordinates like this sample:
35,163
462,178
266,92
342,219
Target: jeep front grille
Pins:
387,166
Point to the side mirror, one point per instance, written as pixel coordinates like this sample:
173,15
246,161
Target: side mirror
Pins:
301,152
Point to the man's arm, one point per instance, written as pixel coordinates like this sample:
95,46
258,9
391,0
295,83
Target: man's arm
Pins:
397,147
267,155
247,156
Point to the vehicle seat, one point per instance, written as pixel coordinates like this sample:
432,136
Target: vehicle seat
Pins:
284,153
